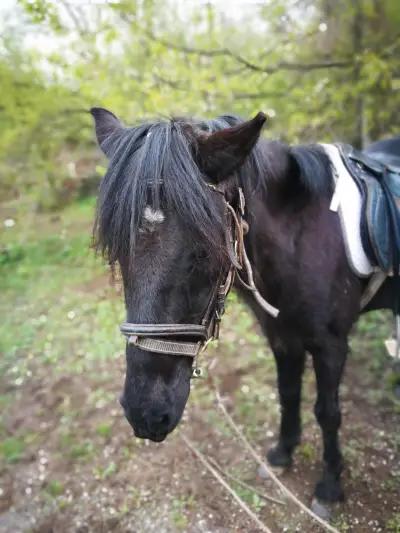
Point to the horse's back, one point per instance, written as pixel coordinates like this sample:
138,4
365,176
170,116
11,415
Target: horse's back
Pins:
387,151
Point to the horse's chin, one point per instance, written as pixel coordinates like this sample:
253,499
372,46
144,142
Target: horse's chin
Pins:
158,438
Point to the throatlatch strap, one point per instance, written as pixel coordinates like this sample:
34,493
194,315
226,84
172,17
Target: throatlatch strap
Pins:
148,344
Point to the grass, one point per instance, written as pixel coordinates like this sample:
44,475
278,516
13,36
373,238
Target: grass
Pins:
55,319
104,430
179,507
106,471
59,330
44,283
12,449
54,488
307,451
393,524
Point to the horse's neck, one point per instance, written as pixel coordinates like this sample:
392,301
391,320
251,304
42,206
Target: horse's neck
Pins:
279,233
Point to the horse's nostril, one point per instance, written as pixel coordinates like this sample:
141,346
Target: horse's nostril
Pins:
158,422
163,419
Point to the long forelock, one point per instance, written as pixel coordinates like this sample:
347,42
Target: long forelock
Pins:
153,168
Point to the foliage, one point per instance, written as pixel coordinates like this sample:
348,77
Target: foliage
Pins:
322,70
37,122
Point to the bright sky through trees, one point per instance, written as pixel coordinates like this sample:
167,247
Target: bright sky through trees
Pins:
322,70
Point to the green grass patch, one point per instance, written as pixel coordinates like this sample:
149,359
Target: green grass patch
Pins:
307,452
104,430
20,263
81,450
54,488
250,497
107,471
51,315
12,449
393,524
179,507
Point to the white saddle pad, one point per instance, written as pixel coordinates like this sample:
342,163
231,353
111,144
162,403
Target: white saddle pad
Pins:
347,202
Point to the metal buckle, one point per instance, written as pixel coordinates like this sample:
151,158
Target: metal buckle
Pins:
132,339
242,201
216,329
197,372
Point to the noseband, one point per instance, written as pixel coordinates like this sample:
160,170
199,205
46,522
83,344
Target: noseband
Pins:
190,339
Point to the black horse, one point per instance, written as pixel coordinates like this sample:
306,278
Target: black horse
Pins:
159,219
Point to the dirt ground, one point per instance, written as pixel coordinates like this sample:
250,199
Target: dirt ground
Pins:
71,464
118,483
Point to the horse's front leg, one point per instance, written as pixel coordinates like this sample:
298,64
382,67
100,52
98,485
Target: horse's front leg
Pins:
329,364
290,365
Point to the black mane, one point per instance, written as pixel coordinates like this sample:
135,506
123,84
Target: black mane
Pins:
315,172
154,164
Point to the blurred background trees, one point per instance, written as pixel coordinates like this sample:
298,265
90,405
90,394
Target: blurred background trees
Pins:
323,70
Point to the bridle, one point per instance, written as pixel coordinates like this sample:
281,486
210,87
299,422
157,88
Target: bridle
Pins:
190,339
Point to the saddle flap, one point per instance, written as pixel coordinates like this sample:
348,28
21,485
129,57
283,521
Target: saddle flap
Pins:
379,185
377,220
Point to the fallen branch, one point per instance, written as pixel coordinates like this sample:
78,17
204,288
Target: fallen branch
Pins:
262,463
244,484
220,479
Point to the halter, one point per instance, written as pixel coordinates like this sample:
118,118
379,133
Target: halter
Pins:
170,338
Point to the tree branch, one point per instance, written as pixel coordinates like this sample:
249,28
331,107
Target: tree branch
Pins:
244,484
220,479
263,464
280,66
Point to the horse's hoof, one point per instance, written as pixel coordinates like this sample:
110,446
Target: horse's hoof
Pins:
263,473
321,509
329,492
279,457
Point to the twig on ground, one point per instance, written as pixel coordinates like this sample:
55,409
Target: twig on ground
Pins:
244,484
262,463
220,479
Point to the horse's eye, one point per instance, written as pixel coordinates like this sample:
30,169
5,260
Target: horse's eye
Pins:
201,255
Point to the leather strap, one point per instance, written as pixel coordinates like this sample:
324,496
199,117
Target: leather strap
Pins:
374,284
164,330
188,349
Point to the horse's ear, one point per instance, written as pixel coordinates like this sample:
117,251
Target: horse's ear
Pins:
107,125
223,152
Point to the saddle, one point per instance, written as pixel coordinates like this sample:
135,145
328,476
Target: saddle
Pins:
378,181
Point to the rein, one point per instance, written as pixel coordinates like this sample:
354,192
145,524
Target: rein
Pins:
171,338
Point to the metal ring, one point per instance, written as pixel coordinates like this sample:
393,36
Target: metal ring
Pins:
197,372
